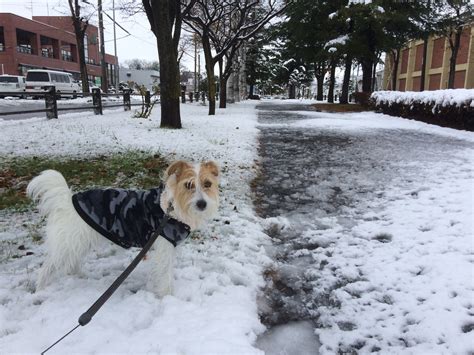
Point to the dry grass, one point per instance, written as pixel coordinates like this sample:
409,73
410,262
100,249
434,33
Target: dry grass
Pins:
327,107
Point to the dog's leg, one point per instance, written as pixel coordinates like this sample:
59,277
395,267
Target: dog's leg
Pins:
161,277
68,237
68,240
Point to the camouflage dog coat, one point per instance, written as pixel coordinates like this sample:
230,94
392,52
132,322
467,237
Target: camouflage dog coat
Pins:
127,217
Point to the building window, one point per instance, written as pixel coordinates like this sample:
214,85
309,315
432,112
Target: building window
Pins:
463,53
49,47
419,57
2,40
86,46
66,55
459,78
401,84
435,82
26,42
404,62
438,53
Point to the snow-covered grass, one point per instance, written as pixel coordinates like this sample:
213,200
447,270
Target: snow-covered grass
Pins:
218,272
413,246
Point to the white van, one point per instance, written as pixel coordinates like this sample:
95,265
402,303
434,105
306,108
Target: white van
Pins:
12,83
38,80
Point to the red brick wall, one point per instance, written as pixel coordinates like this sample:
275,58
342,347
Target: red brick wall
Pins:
435,82
438,52
459,78
401,84
419,57
404,61
65,23
464,48
11,59
416,83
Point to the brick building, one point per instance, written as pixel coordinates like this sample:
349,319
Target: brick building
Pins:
48,42
437,64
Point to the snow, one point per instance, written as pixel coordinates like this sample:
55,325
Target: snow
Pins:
437,98
341,40
410,239
374,228
218,272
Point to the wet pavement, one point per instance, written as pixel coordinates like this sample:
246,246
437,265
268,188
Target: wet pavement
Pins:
314,175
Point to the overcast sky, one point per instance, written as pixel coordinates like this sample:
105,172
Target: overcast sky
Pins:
140,44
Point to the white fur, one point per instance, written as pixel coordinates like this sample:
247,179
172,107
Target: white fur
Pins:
69,238
193,217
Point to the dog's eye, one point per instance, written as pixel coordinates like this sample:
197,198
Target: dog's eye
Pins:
207,184
189,185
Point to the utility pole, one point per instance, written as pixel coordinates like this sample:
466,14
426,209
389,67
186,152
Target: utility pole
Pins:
195,63
199,71
116,71
102,48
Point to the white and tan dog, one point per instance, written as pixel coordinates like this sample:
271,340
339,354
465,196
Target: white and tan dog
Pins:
192,191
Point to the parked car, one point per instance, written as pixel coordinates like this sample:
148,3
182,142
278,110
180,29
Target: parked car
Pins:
39,80
12,83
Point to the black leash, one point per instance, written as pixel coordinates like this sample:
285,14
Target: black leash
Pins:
87,315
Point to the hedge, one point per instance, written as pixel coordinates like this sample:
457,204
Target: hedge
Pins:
449,108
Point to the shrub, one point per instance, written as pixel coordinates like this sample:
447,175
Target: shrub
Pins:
449,108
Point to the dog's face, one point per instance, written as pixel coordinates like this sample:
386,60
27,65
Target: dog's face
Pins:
193,190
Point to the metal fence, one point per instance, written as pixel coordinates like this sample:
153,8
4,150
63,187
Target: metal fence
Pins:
51,105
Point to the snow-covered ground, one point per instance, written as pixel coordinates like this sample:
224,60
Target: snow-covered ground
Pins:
218,272
408,259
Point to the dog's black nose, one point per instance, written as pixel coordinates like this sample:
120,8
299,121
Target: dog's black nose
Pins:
201,204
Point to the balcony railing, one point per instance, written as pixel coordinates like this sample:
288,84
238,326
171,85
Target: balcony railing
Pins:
24,49
46,53
67,56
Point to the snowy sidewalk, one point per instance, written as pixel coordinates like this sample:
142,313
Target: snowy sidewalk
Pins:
371,217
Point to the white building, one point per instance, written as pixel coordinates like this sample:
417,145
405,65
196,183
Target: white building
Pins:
140,77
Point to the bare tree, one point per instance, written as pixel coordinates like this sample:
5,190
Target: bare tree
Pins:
165,18
457,14
223,26
80,23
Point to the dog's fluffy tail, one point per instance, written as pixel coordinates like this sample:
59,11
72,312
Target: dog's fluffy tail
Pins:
50,190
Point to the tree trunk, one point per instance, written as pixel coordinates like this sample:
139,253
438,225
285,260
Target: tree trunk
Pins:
320,73
347,77
223,92
332,81
454,54
366,74
170,89
320,87
206,46
80,28
423,63
164,17
395,60
292,91
82,63
374,77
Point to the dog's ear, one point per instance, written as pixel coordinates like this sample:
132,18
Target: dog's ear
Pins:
212,166
177,168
